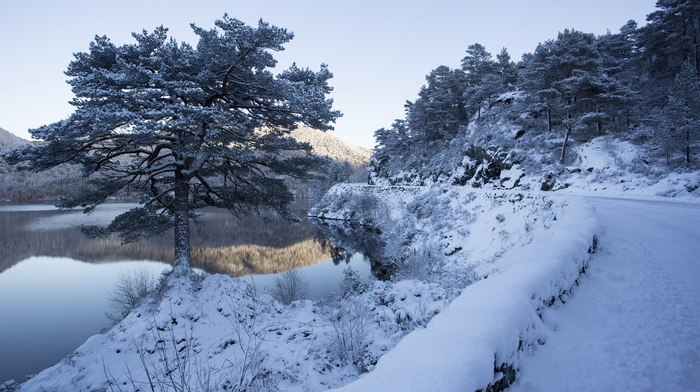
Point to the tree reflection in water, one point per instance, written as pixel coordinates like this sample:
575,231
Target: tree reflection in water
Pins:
355,238
236,245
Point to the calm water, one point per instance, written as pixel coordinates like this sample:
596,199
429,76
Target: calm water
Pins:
55,283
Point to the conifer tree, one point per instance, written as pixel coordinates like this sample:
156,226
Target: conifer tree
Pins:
672,38
482,80
185,126
439,110
683,109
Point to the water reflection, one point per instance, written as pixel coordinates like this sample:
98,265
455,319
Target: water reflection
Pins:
357,239
50,306
221,243
50,302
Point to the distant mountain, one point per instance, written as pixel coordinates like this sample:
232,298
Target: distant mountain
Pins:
350,164
9,141
324,143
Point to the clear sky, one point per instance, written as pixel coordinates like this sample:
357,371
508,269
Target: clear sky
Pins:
378,50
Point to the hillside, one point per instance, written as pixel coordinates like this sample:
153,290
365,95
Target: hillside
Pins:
9,141
326,144
349,164
510,147
619,111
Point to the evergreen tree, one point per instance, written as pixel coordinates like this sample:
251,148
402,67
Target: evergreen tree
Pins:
185,126
670,39
392,146
564,77
439,110
477,63
482,80
506,69
621,64
683,109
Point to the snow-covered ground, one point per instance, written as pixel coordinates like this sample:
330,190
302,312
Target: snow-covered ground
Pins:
480,338
634,322
217,330
610,167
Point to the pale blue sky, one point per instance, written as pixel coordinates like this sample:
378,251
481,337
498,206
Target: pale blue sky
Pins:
379,51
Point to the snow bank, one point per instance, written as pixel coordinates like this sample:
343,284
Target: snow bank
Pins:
479,338
523,250
609,167
367,205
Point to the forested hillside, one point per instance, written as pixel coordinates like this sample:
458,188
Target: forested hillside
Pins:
24,186
348,163
8,140
631,98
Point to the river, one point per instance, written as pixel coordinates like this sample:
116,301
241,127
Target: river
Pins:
55,283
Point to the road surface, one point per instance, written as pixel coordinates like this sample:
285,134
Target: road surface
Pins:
634,322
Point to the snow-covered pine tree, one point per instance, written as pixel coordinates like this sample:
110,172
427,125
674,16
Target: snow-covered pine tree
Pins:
683,109
185,126
564,77
435,117
670,39
481,78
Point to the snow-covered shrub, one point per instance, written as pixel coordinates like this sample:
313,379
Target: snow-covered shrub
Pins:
131,287
290,286
402,306
171,365
248,369
352,284
351,322
9,386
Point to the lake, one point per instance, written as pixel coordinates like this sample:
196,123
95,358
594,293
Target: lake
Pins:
55,282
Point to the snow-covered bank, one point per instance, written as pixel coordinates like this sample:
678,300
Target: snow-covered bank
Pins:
216,332
480,338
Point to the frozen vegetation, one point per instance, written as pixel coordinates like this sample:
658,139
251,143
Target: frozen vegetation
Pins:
216,332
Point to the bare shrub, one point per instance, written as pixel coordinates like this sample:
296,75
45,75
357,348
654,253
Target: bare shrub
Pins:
290,286
176,362
131,287
352,283
248,371
351,322
172,365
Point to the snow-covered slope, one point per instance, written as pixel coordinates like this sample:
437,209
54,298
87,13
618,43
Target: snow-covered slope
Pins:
511,147
8,141
217,330
327,144
611,167
479,340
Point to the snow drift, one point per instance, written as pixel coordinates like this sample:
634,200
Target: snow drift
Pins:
478,340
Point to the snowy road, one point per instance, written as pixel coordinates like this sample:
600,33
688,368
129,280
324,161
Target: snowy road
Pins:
634,322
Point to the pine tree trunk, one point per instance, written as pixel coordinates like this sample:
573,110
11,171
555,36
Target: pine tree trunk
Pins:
565,144
549,120
696,44
687,144
182,227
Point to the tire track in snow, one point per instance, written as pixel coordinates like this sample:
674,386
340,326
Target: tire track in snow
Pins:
634,323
